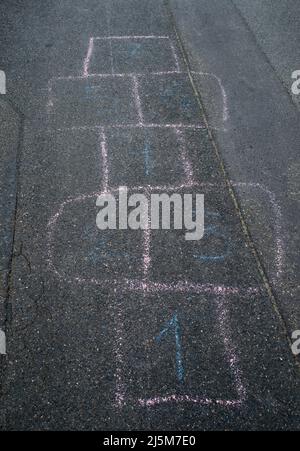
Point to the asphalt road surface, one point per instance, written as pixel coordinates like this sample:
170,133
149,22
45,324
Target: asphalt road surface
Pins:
123,330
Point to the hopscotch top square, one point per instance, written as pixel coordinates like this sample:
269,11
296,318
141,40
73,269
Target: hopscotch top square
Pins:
130,54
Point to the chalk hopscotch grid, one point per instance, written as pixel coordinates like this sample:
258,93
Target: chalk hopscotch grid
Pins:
145,285
135,77
135,80
91,46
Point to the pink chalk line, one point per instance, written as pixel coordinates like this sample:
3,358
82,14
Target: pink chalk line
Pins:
147,247
107,38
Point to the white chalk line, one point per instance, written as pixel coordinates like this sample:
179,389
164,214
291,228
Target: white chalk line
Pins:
180,399
126,126
114,75
87,60
107,38
137,100
104,155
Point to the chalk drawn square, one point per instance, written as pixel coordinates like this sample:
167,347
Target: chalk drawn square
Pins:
143,156
213,259
93,101
185,353
169,99
70,153
83,252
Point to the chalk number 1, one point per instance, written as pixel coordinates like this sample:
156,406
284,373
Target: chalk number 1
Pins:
173,327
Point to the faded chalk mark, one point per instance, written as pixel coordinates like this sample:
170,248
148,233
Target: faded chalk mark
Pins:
278,227
173,326
215,231
147,157
187,166
107,38
176,59
223,91
118,347
230,350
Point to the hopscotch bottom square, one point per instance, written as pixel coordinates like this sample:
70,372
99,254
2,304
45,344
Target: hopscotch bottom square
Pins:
178,350
79,251
143,156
